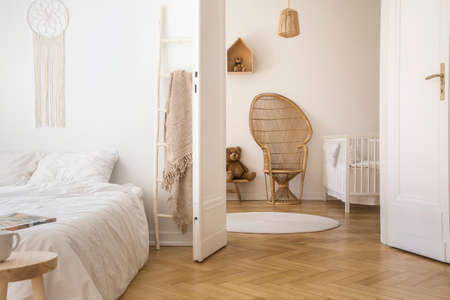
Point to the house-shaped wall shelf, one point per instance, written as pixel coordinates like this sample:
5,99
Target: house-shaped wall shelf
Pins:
241,50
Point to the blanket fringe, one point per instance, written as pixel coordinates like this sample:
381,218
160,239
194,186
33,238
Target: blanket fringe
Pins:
176,171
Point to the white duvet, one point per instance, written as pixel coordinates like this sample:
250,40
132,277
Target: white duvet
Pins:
101,236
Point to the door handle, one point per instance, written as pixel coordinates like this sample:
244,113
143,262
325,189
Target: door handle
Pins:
442,77
434,76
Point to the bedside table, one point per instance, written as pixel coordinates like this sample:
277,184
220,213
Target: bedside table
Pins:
27,266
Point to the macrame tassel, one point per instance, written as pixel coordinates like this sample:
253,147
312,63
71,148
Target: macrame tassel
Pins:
49,76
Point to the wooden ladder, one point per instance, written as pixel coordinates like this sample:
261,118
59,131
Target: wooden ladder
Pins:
157,180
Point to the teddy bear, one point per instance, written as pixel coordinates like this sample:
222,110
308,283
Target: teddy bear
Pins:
236,169
238,65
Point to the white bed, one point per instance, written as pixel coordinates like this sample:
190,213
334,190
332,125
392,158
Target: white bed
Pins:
101,236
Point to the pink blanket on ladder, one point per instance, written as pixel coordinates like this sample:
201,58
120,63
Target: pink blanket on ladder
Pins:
177,174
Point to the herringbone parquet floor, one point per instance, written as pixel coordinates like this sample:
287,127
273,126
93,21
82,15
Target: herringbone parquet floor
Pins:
345,263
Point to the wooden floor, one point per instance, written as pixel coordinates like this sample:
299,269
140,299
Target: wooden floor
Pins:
345,263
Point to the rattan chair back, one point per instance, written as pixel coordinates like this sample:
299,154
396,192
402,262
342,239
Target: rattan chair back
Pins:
280,126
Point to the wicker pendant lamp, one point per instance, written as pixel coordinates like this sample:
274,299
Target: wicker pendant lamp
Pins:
288,24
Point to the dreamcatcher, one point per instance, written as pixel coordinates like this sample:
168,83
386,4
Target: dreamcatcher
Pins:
48,19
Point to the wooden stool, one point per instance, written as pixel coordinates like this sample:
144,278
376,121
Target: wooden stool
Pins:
27,265
236,186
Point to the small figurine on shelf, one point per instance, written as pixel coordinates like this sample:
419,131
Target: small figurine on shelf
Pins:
238,65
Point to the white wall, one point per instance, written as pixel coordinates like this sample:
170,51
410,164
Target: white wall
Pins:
331,71
110,66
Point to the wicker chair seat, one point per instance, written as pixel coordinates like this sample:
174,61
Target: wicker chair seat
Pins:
274,171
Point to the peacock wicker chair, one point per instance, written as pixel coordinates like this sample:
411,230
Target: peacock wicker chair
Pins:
282,131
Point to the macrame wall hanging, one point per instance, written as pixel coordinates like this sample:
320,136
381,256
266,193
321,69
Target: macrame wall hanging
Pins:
48,19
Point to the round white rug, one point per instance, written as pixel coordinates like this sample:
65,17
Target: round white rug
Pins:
276,222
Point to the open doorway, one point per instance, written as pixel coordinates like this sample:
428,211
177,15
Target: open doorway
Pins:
331,72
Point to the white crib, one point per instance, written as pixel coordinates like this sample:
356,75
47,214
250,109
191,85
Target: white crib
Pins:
351,169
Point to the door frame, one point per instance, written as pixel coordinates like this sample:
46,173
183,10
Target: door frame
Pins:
389,73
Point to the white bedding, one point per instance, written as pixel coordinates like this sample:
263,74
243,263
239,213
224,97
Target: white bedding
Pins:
101,236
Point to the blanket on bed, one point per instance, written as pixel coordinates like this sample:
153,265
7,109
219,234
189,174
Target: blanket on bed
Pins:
101,237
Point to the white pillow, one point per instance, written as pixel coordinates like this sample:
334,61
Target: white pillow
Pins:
86,167
16,168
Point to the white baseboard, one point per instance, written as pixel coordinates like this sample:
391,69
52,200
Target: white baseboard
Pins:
172,239
259,196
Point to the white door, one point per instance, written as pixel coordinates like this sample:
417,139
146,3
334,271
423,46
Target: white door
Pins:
414,126
209,141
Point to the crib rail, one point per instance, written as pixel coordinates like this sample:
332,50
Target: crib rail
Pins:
364,163
352,168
